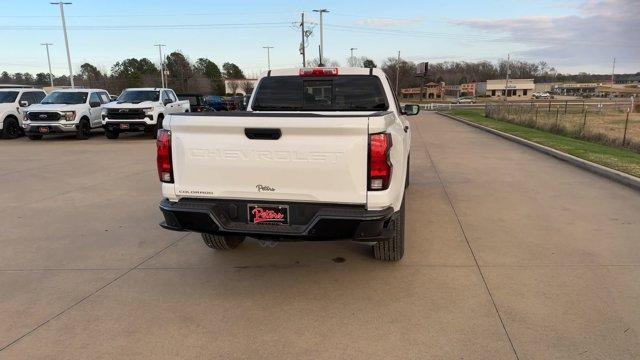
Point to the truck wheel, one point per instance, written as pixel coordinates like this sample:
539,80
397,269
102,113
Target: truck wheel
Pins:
222,242
392,249
35,137
11,128
84,130
111,134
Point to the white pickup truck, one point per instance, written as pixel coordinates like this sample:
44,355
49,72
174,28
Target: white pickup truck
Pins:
69,111
13,103
321,153
141,109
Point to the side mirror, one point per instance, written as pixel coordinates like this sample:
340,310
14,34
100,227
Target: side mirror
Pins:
411,109
94,104
166,102
24,103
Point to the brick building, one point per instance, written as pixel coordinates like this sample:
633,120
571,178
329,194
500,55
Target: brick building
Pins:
468,89
430,91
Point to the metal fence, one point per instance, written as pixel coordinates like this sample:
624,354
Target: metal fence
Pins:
607,123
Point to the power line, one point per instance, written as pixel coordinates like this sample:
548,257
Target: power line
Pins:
151,15
469,37
142,27
334,27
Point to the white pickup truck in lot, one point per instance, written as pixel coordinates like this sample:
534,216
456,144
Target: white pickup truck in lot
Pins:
13,103
141,109
70,111
321,154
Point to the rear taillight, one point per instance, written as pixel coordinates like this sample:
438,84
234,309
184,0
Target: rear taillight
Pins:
319,72
165,169
379,162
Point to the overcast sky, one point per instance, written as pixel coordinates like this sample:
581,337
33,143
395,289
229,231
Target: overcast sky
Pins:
573,36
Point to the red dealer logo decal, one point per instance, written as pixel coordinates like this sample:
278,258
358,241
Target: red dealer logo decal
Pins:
261,215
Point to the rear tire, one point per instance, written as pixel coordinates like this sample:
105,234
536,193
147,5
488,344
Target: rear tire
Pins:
84,130
392,249
222,242
111,134
11,128
35,137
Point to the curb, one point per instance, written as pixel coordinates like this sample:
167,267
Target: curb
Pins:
611,174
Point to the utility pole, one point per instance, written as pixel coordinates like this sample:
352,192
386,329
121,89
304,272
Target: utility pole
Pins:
321,11
49,62
613,71
66,40
161,64
398,75
268,56
506,83
302,47
351,58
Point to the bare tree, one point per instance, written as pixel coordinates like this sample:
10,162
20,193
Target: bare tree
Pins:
247,87
327,62
233,86
357,61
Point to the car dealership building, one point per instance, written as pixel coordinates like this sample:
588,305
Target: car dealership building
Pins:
499,88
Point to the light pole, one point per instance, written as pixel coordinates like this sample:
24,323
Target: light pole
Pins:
351,58
321,11
161,63
268,56
49,62
66,40
506,83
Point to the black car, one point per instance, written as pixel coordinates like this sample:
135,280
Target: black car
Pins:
196,102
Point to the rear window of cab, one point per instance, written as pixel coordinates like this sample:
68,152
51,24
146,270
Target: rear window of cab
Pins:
329,93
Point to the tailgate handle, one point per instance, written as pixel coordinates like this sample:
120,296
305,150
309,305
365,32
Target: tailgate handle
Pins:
262,133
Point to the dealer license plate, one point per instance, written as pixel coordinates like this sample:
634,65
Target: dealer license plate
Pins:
268,214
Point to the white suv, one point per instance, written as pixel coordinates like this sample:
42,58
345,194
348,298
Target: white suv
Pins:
66,111
13,103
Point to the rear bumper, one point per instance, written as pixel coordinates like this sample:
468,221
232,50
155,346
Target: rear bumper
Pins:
309,221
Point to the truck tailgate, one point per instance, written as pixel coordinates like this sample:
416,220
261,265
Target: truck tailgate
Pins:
315,159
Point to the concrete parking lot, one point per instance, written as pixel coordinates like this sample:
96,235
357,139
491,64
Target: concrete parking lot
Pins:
510,254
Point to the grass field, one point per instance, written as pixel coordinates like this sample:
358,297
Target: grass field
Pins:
619,159
597,124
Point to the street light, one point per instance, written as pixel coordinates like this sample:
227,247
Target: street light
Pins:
268,56
351,58
161,63
321,11
66,40
49,62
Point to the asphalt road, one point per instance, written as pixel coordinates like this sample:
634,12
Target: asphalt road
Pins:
510,254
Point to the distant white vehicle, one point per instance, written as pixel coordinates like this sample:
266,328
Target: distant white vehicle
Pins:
66,112
464,100
13,103
542,95
141,109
